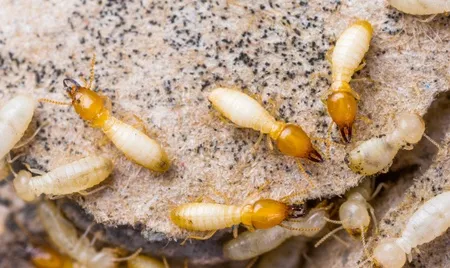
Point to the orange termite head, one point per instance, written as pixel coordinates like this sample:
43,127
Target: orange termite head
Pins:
293,141
342,107
267,213
89,105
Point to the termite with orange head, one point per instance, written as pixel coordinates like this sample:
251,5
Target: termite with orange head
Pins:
47,257
430,221
262,214
346,58
15,116
94,108
64,236
71,178
251,244
376,154
421,7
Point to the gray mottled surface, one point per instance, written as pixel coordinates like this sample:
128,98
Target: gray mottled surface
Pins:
160,59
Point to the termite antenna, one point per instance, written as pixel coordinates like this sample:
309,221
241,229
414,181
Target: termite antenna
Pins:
327,236
72,81
132,256
54,101
432,141
308,230
17,146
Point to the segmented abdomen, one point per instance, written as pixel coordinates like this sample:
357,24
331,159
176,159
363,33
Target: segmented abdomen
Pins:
421,7
136,145
15,117
205,216
350,49
252,244
431,220
74,177
372,156
241,109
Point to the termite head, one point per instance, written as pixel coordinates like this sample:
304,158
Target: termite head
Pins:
265,213
389,254
21,184
354,216
45,257
293,141
89,105
342,107
411,126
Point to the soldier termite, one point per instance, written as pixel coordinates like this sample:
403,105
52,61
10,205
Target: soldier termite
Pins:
346,58
421,7
142,261
251,244
376,154
15,116
354,212
64,236
67,179
262,214
430,221
96,110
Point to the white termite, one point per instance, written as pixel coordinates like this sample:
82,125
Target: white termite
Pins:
430,221
252,244
142,261
421,7
67,179
376,154
65,237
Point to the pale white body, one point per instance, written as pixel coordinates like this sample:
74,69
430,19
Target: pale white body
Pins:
64,236
349,51
376,154
15,116
206,216
136,145
242,110
67,179
252,244
144,262
430,221
421,7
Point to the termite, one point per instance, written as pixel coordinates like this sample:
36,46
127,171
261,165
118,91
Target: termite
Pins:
354,212
245,111
430,221
15,116
95,109
376,154
142,261
262,214
251,244
421,7
346,59
67,179
64,236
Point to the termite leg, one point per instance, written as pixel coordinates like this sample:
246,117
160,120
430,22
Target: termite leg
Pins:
269,142
328,55
9,162
252,262
235,230
327,236
166,263
340,240
34,170
132,256
327,143
186,263
31,137
378,190
435,143
374,219
98,189
302,170
363,240
361,66
257,143
364,118
206,237
202,198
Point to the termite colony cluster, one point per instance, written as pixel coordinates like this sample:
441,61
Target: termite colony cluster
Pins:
269,222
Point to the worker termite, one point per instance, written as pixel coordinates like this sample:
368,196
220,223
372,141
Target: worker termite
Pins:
251,244
430,221
376,154
142,261
262,214
421,7
354,212
15,116
96,110
64,236
70,178
346,58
